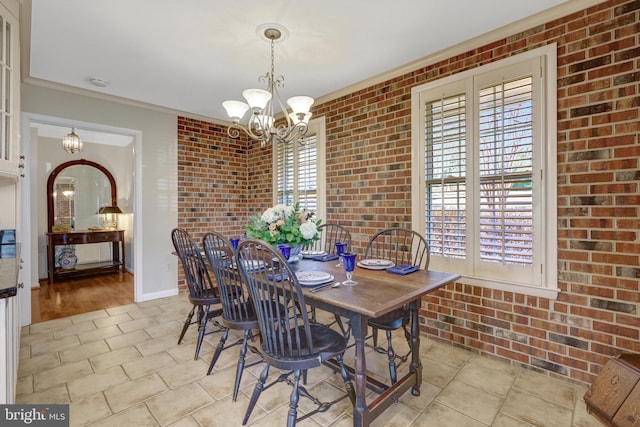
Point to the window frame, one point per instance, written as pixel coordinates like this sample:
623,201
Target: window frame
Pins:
317,127
544,271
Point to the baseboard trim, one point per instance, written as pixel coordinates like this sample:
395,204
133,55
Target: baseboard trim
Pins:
157,295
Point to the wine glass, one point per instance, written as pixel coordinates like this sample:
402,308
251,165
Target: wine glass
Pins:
234,243
349,260
340,249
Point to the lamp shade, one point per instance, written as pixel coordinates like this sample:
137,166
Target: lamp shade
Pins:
257,98
235,109
109,210
300,104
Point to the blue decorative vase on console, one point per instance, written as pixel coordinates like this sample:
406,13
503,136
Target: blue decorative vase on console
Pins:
68,258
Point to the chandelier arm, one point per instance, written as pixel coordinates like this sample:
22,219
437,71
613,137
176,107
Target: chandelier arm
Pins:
234,132
289,133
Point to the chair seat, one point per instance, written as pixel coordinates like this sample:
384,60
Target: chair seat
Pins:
391,321
325,344
210,297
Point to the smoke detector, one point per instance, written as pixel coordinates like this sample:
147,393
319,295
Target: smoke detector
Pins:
97,81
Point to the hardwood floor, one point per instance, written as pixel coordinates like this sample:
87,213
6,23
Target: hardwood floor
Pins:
81,295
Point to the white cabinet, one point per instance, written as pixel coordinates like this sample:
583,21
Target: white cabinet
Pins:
9,302
9,175
9,347
9,88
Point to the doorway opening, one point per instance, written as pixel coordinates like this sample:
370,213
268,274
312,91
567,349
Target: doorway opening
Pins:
112,147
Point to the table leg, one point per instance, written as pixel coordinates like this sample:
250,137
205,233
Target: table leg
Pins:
416,365
359,331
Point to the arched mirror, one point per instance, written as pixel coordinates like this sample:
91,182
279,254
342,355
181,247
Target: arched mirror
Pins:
76,191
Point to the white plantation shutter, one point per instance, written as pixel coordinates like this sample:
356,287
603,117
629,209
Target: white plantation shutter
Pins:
505,167
445,146
484,158
299,170
308,174
285,176
297,175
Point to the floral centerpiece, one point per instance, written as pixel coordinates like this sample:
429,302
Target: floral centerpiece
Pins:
284,224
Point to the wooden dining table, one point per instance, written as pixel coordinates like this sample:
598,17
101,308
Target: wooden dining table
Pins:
376,294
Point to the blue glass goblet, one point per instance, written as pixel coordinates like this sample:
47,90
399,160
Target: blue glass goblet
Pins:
349,260
341,247
285,250
234,243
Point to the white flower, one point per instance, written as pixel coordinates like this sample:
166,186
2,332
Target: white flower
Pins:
270,215
308,230
288,211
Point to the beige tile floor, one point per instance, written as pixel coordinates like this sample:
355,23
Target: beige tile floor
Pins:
122,367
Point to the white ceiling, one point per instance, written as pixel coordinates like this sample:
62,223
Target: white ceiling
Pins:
191,55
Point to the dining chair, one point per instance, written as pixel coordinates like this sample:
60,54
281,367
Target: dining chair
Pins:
330,234
237,310
288,340
402,246
202,293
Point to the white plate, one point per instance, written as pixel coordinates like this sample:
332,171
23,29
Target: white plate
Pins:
375,264
311,278
291,260
311,253
252,264
217,254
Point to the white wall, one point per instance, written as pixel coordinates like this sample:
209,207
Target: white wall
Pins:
155,176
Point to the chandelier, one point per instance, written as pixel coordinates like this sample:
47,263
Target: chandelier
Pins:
262,125
72,143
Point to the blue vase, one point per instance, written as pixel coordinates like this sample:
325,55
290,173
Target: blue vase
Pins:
295,253
68,258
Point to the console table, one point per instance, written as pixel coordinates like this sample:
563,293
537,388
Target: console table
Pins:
115,237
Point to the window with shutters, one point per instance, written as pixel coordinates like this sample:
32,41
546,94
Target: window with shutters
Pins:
299,170
484,188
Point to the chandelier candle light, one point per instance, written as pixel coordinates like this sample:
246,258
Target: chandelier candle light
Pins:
262,125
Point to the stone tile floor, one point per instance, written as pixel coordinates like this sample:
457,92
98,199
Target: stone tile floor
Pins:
122,367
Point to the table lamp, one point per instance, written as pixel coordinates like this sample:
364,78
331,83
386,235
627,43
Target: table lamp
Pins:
110,216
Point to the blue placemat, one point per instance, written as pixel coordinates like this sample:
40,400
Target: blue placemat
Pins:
325,257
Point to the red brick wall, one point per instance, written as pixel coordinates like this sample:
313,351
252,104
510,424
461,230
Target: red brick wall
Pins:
212,180
596,314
